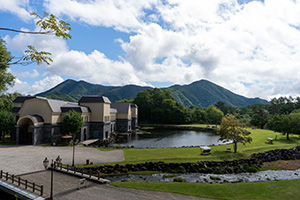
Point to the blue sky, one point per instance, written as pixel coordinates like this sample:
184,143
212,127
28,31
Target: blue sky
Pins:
250,47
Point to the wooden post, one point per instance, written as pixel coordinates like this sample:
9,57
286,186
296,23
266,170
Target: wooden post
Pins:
19,181
12,178
33,187
25,184
98,175
42,187
6,175
67,168
1,173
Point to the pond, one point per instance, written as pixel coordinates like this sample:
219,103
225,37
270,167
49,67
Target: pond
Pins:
167,138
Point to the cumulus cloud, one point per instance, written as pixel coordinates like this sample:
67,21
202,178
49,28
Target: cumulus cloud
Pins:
39,86
17,7
252,49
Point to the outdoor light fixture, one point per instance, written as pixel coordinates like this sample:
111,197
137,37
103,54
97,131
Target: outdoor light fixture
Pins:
46,163
51,189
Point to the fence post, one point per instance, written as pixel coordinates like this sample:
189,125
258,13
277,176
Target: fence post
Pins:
25,184
6,175
19,181
33,187
1,173
12,178
67,168
42,187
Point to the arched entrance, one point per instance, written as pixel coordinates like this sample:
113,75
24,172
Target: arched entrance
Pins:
26,128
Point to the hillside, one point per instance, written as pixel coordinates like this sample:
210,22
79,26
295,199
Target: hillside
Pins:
200,93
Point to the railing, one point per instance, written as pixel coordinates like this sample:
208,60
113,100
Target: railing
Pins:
35,188
76,170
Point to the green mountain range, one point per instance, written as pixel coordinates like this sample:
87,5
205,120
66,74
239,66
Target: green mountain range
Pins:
200,93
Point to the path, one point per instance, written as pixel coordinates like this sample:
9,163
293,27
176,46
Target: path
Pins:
66,188
23,159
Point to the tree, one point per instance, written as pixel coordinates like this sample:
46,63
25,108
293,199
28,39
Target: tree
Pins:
7,120
232,129
6,78
72,123
6,101
48,25
214,115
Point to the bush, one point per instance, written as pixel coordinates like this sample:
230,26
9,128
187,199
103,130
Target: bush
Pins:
215,178
169,175
179,179
251,169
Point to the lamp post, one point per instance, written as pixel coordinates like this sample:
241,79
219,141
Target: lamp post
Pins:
46,165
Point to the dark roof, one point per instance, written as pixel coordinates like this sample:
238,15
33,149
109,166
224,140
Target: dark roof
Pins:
134,106
94,99
121,107
15,109
76,107
21,99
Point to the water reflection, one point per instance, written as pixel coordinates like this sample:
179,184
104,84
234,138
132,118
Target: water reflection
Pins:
163,138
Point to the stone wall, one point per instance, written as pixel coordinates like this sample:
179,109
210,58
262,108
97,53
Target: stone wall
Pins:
251,164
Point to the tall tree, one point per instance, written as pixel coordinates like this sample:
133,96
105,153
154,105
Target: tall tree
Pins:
6,78
72,123
7,120
232,129
214,114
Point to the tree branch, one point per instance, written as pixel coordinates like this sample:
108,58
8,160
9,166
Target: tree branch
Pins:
27,32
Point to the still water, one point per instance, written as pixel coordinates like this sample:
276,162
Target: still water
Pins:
164,138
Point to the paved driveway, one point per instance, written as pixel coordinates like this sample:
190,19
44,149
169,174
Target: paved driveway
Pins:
24,159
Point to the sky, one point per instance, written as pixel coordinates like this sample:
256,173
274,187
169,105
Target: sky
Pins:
250,47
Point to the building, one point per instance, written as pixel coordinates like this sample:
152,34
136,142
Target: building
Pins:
39,120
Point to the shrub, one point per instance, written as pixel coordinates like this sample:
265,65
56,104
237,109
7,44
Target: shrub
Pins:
251,169
179,179
215,178
169,175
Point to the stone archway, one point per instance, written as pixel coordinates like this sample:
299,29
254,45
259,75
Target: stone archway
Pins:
26,126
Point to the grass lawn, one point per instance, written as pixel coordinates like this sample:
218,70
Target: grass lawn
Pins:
218,152
284,189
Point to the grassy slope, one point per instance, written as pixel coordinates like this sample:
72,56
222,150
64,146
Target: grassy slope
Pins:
193,154
286,189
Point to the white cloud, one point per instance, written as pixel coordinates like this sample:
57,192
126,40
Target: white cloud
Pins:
183,41
39,86
28,74
17,7
124,15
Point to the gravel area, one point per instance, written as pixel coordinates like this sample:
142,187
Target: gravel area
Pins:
24,159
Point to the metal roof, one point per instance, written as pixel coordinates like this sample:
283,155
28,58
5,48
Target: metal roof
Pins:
94,99
122,107
76,107
21,99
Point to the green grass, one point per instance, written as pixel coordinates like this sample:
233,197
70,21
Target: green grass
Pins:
217,154
275,190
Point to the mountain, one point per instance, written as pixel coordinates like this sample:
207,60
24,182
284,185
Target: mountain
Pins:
200,93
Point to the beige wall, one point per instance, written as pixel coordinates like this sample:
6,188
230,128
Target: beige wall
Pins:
98,111
134,112
125,115
37,107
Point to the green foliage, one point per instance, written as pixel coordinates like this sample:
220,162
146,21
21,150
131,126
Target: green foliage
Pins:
7,120
6,78
72,122
179,179
232,129
159,106
6,101
216,178
214,114
48,24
